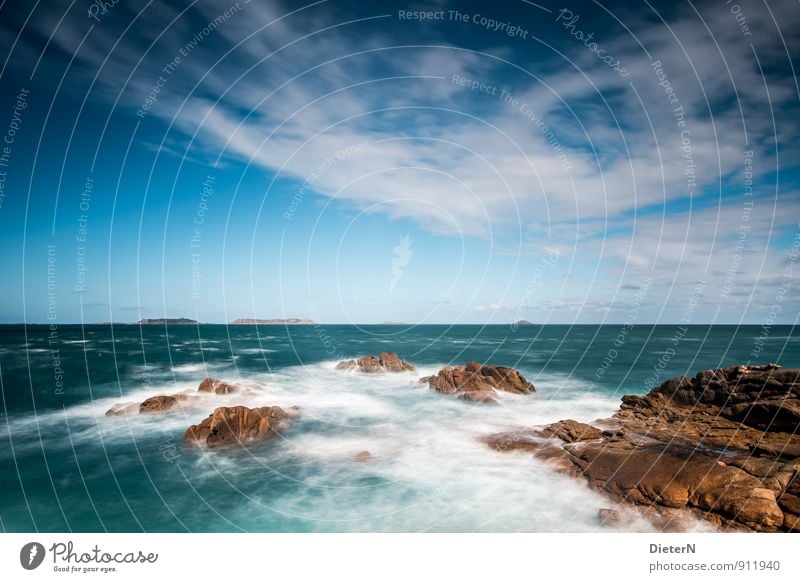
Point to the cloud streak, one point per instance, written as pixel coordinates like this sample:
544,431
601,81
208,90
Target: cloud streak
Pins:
633,174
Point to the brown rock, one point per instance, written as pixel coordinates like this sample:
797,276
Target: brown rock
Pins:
791,522
392,363
778,415
524,440
216,386
571,431
790,503
386,362
478,383
166,403
123,409
158,404
240,425
609,516
363,457
484,396
722,446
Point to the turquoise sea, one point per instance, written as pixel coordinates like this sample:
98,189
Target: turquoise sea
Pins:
65,466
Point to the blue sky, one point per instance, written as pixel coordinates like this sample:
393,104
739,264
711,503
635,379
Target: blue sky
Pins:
368,165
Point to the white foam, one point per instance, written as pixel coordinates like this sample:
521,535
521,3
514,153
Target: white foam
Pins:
429,469
426,450
255,351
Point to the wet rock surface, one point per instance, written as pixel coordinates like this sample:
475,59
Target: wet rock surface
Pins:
217,386
158,404
228,426
479,383
386,362
722,446
171,402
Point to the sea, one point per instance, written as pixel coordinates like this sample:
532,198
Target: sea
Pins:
67,467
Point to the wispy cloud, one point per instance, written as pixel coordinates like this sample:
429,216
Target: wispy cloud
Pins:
655,158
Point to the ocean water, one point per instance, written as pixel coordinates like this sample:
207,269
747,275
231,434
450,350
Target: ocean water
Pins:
65,466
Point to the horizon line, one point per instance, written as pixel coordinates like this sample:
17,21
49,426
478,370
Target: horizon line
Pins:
393,324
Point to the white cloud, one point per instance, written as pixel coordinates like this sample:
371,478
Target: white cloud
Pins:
461,162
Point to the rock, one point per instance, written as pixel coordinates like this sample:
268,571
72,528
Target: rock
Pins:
392,363
368,364
722,446
240,425
609,516
363,457
571,431
158,404
772,415
484,396
216,386
168,402
123,409
478,383
531,440
386,362
790,503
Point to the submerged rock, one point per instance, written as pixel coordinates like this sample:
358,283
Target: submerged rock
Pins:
166,403
216,386
722,446
363,457
478,383
158,404
571,431
123,409
386,362
609,516
240,425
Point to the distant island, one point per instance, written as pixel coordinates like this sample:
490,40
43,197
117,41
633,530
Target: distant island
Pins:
394,323
290,321
178,321
523,322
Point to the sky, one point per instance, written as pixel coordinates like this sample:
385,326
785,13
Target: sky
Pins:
423,162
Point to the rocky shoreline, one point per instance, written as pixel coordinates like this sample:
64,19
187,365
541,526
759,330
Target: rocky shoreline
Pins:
722,447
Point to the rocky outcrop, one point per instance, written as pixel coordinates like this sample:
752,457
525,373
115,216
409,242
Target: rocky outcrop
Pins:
386,362
123,409
167,403
722,446
216,386
762,397
152,405
571,431
158,404
479,383
240,425
363,457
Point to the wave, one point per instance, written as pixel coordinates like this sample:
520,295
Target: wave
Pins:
250,351
429,470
